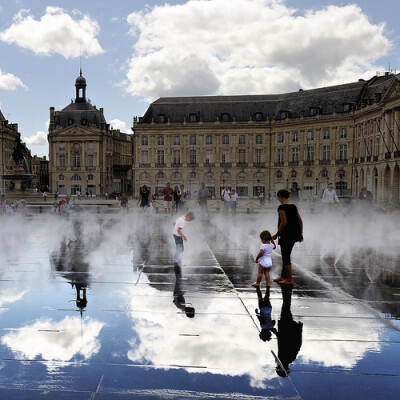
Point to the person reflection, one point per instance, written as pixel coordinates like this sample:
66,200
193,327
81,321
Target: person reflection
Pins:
179,299
289,335
263,313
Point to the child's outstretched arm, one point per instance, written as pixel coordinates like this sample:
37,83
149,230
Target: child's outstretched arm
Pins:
272,241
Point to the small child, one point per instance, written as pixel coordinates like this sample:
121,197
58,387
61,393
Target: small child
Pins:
264,258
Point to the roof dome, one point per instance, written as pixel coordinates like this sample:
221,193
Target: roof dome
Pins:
80,80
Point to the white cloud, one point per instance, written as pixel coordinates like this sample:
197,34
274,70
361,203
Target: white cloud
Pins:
260,46
55,32
121,125
10,81
36,140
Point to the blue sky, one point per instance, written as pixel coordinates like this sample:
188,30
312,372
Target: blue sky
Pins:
133,52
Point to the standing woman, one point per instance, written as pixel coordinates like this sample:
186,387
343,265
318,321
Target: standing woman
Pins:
290,231
145,198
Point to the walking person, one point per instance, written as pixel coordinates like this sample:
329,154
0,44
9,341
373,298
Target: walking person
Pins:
233,201
176,198
44,196
203,196
290,231
294,193
167,192
226,197
145,198
180,237
264,258
181,204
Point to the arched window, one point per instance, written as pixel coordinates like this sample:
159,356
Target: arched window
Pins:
192,175
76,177
208,175
324,173
242,175
61,177
279,174
308,174
90,177
293,174
258,116
161,175
225,117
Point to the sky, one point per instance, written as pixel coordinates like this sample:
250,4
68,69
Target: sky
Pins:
133,52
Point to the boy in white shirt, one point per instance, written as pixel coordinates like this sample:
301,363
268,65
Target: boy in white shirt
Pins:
180,237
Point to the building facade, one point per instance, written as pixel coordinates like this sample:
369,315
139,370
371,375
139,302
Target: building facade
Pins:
345,134
85,154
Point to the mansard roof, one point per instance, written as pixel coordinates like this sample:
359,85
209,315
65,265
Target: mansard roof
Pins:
338,98
80,113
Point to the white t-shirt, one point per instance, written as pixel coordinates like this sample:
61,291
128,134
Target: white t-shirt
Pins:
266,258
330,196
234,197
179,223
226,194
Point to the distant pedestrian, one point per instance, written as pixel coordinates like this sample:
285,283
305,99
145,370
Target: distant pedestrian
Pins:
180,237
56,195
106,195
182,198
365,197
329,196
294,193
226,197
44,196
78,193
203,196
264,258
261,198
290,231
145,199
167,192
176,197
124,202
233,201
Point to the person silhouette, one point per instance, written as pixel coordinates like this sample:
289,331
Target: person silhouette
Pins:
289,335
263,313
179,299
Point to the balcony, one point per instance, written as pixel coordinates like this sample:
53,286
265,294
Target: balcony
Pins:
396,154
144,165
293,163
176,164
122,167
362,159
342,161
324,162
242,164
259,164
388,155
193,164
309,162
209,164
160,165
226,164
376,158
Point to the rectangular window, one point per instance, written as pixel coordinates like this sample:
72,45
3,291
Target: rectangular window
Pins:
310,153
343,152
160,157
310,135
160,140
259,156
259,139
144,157
326,153
76,160
225,139
327,134
225,156
295,137
90,161
279,157
209,156
192,157
209,140
177,140
242,156
61,160
343,133
176,157
280,138
295,154
61,146
145,141
242,139
90,146
192,140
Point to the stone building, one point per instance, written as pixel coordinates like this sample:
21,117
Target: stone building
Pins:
85,154
40,169
13,176
346,134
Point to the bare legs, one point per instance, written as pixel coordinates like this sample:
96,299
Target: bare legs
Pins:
261,269
288,280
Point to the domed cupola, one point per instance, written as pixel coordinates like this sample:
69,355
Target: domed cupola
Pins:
80,85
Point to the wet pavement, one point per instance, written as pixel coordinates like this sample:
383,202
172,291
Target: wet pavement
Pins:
91,308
